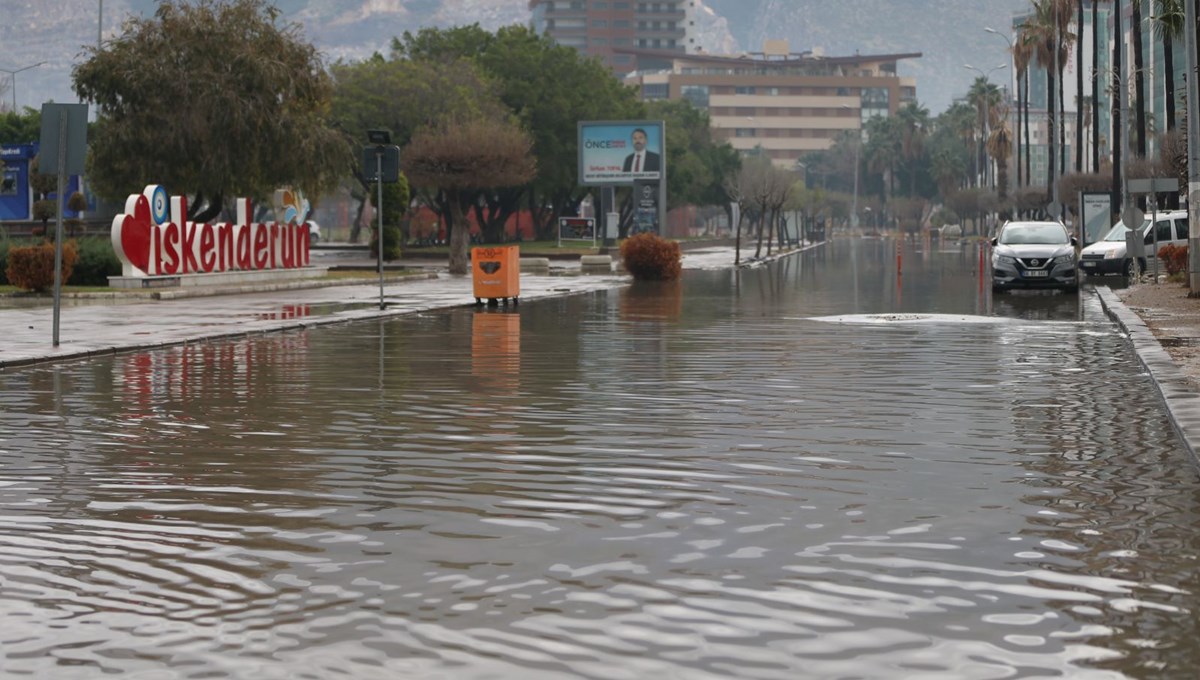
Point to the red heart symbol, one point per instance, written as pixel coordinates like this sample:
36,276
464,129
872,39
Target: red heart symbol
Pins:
131,232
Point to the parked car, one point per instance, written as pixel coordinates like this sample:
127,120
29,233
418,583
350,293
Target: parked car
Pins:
1034,255
314,231
1108,256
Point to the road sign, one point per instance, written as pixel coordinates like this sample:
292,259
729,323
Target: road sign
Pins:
1132,217
391,163
1155,185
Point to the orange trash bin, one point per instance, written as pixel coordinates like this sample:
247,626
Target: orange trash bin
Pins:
496,273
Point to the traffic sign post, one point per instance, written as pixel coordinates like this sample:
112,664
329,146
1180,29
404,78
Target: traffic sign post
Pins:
1152,187
64,141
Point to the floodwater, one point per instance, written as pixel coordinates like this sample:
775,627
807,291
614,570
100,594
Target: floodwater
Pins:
810,469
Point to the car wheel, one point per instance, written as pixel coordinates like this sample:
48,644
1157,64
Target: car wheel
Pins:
1132,269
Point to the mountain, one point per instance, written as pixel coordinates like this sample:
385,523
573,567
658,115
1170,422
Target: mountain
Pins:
949,33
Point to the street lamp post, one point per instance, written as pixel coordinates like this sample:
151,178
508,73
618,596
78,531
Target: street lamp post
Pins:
1016,133
986,123
13,76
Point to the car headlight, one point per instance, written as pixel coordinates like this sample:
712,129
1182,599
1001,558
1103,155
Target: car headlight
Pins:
1005,259
1064,259
1114,253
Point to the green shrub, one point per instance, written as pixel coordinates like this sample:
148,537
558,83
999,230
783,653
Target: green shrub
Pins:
97,261
32,267
391,242
650,258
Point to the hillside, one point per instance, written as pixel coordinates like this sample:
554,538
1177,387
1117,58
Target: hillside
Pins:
948,32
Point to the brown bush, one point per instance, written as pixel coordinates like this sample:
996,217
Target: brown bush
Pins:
1174,258
32,267
650,258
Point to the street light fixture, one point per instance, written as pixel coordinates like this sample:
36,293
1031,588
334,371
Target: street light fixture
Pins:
13,76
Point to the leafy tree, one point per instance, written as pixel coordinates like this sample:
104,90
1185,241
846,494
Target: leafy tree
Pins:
550,88
461,157
20,128
213,97
402,96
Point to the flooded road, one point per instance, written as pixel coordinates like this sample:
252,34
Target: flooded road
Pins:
809,469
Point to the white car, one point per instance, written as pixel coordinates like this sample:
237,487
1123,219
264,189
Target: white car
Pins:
1108,256
314,232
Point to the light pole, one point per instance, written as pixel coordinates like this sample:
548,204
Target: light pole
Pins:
986,97
13,76
1016,122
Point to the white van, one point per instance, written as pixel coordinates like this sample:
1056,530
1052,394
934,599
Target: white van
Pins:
1107,256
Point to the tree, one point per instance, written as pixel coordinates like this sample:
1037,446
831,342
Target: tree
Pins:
999,145
402,96
523,64
1168,28
215,98
462,156
914,128
20,128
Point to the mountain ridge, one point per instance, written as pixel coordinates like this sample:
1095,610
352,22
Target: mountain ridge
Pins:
948,33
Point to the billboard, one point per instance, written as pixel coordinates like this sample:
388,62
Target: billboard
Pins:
620,152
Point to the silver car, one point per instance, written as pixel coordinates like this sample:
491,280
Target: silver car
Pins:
1034,255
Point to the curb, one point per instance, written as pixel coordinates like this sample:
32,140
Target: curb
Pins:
1181,398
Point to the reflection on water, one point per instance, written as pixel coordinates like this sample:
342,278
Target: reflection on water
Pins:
700,481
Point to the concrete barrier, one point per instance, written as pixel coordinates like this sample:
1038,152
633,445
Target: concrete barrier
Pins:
596,264
535,265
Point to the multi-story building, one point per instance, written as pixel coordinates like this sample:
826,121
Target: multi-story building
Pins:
780,103
609,29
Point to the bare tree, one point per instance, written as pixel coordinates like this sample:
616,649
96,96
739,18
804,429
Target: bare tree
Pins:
462,157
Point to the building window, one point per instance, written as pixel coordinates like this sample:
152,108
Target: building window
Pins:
744,89
696,94
599,23
8,182
600,5
745,132
656,91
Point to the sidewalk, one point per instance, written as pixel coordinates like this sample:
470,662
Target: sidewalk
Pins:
115,323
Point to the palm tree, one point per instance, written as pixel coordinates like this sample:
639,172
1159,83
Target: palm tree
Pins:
1095,87
914,126
983,95
1168,27
999,145
1139,78
1022,51
1047,35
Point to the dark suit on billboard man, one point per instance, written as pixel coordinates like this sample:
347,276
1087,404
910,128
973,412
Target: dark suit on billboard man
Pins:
641,160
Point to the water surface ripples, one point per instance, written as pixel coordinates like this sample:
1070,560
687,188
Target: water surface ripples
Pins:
704,480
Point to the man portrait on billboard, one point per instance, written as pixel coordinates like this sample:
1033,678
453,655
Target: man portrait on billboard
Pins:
641,160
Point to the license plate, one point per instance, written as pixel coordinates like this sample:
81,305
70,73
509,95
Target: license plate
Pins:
1039,274
1089,264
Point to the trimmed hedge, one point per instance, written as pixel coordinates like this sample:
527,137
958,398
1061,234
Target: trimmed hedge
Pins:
32,267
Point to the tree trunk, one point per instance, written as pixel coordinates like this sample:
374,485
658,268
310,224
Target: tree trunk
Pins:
1139,79
1052,129
1095,88
1169,80
460,235
1116,115
1028,137
1079,92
